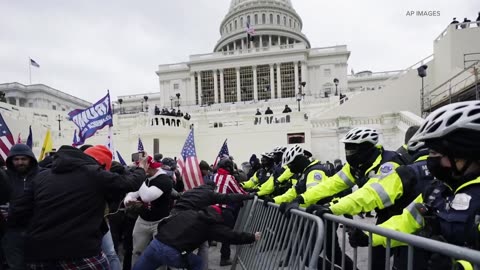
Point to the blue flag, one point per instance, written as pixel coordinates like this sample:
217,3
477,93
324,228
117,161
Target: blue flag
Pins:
92,118
75,139
120,159
30,139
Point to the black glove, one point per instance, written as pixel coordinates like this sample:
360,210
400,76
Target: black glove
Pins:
285,208
319,210
357,238
250,196
300,188
441,262
266,200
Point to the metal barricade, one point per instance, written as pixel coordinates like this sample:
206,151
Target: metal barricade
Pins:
290,243
411,241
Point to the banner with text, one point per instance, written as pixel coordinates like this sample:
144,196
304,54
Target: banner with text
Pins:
92,118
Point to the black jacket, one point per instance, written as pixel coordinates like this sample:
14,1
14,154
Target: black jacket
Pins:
19,184
205,195
64,209
187,230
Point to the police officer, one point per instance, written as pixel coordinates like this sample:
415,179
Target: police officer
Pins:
365,159
261,175
391,191
451,205
403,150
280,181
310,174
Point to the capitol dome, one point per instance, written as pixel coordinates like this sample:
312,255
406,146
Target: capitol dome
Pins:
275,22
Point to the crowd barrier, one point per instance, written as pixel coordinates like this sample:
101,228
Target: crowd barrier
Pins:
412,242
285,243
297,242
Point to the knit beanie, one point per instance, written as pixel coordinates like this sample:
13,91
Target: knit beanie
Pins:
101,154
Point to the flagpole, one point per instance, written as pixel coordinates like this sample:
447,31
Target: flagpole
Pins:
30,70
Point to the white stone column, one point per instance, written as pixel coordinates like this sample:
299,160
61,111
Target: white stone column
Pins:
295,72
17,102
222,87
215,86
272,82
269,40
239,97
305,77
255,86
199,78
243,44
234,46
188,92
279,39
261,41
279,82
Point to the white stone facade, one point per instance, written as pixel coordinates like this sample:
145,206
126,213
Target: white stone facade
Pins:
41,96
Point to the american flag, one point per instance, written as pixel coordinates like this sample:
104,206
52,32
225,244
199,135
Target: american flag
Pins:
33,63
188,164
6,139
223,153
250,32
140,145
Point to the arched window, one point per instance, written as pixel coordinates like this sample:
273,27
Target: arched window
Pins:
230,27
248,19
295,24
278,19
284,20
256,19
290,23
241,21
235,24
271,18
263,18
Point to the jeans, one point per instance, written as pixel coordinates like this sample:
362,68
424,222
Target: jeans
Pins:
158,254
229,220
203,253
13,243
109,250
143,233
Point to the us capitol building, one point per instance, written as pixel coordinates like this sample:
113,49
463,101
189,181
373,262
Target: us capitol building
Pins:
278,66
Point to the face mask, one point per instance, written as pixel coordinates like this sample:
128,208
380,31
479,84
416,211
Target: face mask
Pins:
438,171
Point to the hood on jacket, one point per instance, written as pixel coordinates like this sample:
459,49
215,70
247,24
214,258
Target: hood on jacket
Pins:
20,149
69,158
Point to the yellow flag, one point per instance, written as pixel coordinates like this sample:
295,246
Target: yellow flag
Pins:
47,145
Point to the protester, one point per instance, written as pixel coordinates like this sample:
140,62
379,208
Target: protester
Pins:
154,194
22,167
68,224
180,234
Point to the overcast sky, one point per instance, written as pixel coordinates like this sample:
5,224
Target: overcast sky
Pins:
85,47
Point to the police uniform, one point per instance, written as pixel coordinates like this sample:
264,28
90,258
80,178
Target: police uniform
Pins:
311,177
456,212
278,183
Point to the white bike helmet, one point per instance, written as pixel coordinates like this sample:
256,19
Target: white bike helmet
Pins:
360,135
291,153
269,155
279,149
460,115
413,146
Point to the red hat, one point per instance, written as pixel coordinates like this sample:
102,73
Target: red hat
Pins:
217,209
153,164
101,154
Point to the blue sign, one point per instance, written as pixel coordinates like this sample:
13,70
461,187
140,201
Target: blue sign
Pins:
92,118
